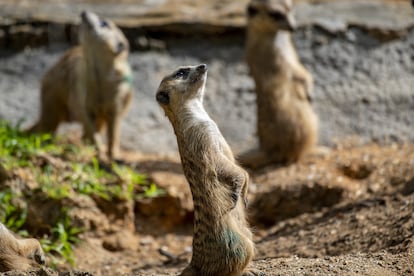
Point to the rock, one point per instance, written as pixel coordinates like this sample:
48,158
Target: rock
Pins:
21,36
122,240
43,213
119,212
200,17
176,185
357,170
171,209
288,201
85,214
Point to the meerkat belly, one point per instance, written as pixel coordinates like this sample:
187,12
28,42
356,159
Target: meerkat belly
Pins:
213,246
290,132
218,238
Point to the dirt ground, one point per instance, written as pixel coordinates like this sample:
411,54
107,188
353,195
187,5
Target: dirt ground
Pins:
365,227
367,230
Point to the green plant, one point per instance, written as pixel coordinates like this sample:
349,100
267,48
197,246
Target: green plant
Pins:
22,146
11,214
153,191
60,171
64,236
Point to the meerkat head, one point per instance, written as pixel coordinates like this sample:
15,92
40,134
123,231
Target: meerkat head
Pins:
184,84
99,35
271,15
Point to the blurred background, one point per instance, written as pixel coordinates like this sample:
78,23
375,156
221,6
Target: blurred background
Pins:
346,212
360,53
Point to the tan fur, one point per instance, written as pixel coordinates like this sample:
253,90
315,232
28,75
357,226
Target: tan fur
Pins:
90,84
222,243
19,254
287,126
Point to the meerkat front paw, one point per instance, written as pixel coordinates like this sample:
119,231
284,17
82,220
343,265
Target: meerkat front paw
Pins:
239,190
245,189
40,257
234,199
34,251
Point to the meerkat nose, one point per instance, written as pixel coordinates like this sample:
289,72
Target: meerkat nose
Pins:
83,14
202,67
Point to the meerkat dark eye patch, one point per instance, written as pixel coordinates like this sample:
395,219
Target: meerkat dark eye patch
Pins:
163,97
104,24
277,16
251,11
182,73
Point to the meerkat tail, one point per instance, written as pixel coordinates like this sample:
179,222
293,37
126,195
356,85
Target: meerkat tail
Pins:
253,159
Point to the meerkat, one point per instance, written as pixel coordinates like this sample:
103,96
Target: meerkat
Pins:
90,84
287,126
19,254
222,242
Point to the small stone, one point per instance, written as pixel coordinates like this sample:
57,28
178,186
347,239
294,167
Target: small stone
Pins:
120,241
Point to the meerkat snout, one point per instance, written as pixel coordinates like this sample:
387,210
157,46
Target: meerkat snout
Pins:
199,73
202,68
87,18
272,13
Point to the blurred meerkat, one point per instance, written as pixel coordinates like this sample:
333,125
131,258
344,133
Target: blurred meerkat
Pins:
19,254
287,126
222,242
90,84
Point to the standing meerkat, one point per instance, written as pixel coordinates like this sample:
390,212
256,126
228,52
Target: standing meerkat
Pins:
90,84
19,254
287,125
222,242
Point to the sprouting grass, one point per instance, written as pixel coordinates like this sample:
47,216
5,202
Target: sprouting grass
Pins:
12,214
62,238
18,148
60,171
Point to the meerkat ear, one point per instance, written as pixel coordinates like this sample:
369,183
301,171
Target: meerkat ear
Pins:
120,47
163,97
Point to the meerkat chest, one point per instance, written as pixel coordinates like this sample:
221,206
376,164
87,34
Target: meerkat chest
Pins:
283,46
198,148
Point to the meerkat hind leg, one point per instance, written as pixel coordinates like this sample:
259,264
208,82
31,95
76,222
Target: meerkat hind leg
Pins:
113,134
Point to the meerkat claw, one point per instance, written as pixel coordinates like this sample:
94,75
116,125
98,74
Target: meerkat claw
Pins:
40,257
